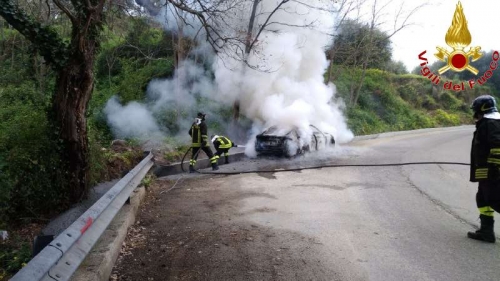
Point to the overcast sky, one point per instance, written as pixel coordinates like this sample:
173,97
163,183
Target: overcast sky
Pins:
432,23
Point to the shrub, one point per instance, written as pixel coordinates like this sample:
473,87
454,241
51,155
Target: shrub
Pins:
450,102
13,258
32,181
446,119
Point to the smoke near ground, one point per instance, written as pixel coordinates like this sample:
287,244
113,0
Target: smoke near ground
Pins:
169,108
284,87
131,120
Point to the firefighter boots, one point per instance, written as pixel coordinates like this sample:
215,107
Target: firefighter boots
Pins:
215,167
191,169
485,232
226,158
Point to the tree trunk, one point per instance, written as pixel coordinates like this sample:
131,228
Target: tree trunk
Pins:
367,53
74,88
13,50
330,72
236,110
248,41
358,87
180,54
74,85
74,65
2,38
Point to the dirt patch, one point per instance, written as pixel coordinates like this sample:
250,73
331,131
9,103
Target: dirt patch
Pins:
121,158
196,232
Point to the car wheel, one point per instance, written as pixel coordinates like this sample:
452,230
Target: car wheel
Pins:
291,149
306,148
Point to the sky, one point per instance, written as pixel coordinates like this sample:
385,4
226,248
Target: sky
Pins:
432,22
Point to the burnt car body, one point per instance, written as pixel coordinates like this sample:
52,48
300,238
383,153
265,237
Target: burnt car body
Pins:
290,143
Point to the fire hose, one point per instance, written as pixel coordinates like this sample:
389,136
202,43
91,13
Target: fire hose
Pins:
323,166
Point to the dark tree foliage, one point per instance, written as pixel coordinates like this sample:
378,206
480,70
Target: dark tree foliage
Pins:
353,42
397,67
73,62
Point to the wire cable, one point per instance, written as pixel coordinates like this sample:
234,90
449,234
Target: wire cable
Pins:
184,157
322,166
334,166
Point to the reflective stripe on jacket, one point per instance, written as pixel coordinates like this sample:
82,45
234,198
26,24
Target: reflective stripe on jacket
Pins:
198,134
485,151
223,142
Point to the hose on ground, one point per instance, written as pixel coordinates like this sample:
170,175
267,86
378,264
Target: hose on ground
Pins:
335,166
320,166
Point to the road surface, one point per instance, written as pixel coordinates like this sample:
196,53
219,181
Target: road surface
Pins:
355,223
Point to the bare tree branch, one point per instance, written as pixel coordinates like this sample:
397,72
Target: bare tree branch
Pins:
54,51
315,7
48,8
66,11
266,21
146,56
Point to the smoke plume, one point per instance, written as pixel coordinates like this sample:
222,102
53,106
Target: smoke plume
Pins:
284,86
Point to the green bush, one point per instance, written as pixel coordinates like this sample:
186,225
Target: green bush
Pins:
12,259
408,93
429,103
29,159
448,101
446,119
364,122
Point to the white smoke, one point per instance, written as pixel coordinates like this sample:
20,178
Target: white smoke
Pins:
131,121
174,99
293,94
290,93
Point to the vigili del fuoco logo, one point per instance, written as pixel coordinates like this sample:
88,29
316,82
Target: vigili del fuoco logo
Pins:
458,58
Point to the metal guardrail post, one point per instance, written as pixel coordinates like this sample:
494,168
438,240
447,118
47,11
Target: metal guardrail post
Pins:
60,259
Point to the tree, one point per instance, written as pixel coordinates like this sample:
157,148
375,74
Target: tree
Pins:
230,38
372,39
397,67
73,63
351,44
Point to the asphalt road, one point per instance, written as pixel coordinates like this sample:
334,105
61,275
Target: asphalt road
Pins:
355,223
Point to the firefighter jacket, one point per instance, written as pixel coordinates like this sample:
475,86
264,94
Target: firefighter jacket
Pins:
222,142
485,151
199,134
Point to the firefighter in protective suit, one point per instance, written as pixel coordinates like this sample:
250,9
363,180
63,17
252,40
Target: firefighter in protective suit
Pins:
485,164
222,145
199,137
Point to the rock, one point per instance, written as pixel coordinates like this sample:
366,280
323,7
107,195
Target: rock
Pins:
119,146
4,234
118,143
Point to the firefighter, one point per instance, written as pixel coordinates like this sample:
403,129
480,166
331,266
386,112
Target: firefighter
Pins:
485,163
199,137
222,145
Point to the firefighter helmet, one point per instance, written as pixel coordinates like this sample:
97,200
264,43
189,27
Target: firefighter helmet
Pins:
484,104
201,115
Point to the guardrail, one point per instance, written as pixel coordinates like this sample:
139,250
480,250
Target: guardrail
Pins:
62,257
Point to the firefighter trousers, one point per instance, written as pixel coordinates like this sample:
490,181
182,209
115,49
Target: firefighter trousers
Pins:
208,152
221,151
488,197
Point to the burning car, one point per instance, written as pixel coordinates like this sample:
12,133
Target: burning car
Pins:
276,142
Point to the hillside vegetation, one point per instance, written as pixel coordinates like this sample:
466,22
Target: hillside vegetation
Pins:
394,102
32,187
